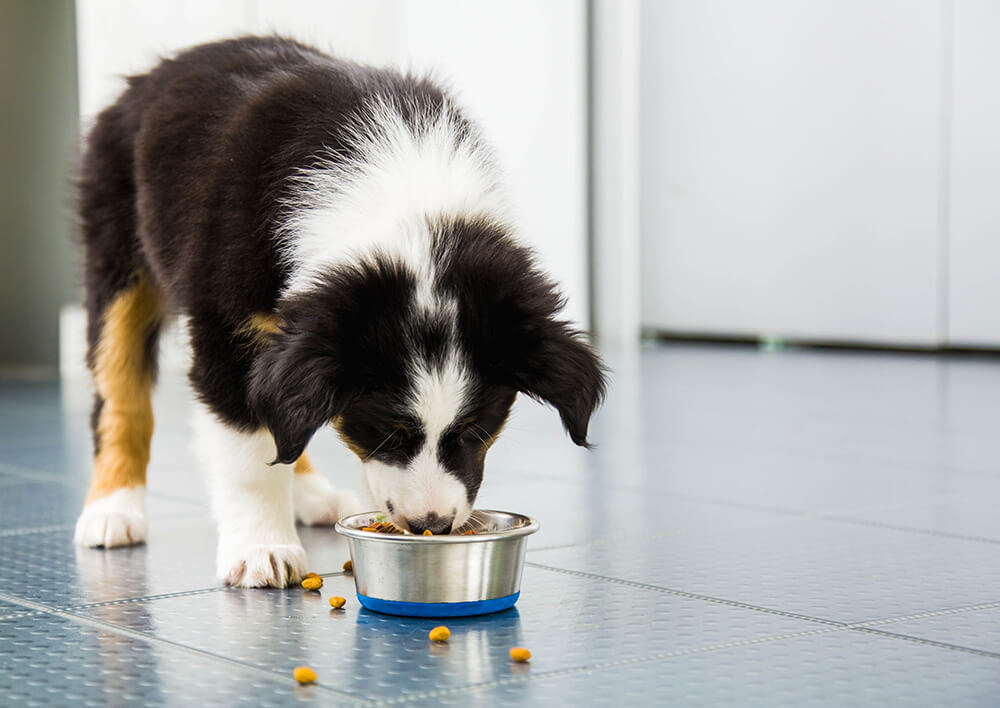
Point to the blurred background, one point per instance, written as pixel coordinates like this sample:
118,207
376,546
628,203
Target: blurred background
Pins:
768,170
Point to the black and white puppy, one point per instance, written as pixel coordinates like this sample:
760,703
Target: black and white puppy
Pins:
338,240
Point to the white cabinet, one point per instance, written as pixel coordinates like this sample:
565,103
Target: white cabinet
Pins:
791,169
974,233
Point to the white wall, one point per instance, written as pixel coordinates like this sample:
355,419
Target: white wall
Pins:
518,66
974,234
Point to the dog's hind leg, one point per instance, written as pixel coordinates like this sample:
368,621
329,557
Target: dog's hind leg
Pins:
317,502
122,360
124,311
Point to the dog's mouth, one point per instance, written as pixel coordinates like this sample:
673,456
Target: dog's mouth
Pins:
474,525
462,523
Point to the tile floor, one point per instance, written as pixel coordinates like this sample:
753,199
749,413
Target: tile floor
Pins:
794,528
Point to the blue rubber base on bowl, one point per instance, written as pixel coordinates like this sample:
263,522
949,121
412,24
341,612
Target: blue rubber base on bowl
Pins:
438,609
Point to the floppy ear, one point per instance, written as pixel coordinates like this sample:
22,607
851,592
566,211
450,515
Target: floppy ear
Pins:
563,370
292,389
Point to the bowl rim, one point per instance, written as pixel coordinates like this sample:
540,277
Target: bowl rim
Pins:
531,527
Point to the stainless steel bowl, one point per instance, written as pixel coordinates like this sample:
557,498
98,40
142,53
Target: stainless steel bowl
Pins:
440,576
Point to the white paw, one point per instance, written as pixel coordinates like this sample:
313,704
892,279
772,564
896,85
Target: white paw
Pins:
118,519
318,503
274,565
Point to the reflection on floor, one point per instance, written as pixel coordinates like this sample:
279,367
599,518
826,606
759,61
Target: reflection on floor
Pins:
754,528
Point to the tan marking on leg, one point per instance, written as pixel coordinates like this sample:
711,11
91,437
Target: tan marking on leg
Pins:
123,378
303,465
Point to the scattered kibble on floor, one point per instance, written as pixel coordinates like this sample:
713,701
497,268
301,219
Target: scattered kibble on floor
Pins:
348,566
428,532
303,674
312,582
440,634
337,602
520,654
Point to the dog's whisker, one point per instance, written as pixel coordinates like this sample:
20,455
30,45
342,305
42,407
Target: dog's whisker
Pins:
381,444
474,427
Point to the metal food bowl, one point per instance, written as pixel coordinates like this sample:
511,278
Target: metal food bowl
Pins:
440,576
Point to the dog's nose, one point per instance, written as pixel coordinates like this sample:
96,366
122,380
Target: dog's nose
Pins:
432,522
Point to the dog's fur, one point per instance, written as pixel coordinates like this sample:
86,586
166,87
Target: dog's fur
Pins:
338,240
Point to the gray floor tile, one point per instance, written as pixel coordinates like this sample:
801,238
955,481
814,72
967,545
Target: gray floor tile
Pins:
19,507
738,509
821,569
49,660
832,669
584,512
567,622
975,518
179,556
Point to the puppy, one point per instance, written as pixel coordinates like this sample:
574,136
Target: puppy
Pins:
337,238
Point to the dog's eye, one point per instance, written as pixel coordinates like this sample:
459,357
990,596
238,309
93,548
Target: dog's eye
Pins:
400,435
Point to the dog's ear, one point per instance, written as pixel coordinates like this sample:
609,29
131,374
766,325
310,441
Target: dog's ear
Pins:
293,390
560,368
510,326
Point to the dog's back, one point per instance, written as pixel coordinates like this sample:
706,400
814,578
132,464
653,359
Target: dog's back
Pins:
199,153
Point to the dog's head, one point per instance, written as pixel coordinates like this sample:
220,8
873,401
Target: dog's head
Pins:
418,365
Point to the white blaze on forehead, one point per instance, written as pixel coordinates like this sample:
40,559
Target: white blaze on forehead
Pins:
379,199
439,394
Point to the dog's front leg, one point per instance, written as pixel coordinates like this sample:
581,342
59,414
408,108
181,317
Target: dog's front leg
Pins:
252,505
317,501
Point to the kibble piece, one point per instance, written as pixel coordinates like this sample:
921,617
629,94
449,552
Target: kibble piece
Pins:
428,532
348,566
312,582
520,654
440,634
303,674
310,575
337,602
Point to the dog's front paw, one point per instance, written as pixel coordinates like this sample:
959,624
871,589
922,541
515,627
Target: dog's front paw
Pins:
261,565
118,519
319,503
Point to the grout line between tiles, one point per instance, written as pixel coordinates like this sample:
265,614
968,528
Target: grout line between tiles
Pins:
558,673
152,639
908,529
797,514
662,656
160,596
689,595
931,613
28,530
813,516
30,475
866,625
144,598
927,642
807,453
19,615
